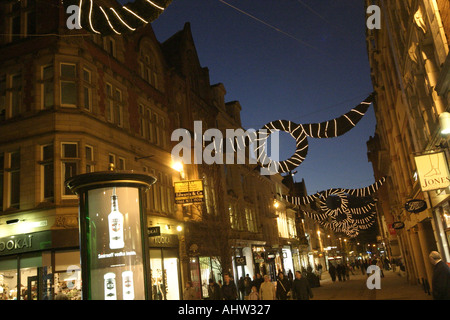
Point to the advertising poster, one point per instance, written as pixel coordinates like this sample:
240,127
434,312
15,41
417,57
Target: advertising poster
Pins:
115,245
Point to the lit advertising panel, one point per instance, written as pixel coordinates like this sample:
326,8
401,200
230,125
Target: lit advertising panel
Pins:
115,244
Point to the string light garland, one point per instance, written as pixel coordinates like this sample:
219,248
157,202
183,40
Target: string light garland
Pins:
119,19
355,209
300,132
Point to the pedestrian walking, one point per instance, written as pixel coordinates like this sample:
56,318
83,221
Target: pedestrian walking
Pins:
283,287
229,290
241,287
214,291
381,266
441,277
189,292
339,271
257,280
247,285
332,272
300,288
253,294
267,289
319,270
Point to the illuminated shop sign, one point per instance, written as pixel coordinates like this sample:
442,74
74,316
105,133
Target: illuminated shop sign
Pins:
189,191
25,243
433,171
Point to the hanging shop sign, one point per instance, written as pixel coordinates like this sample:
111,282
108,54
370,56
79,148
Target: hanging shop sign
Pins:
415,206
189,191
154,231
241,261
433,171
397,225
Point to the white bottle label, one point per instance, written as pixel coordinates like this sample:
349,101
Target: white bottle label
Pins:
128,285
115,222
110,286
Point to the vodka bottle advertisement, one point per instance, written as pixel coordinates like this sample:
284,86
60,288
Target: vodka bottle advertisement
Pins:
127,285
115,244
115,224
110,286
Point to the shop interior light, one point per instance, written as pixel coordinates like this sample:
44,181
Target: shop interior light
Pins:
444,122
179,228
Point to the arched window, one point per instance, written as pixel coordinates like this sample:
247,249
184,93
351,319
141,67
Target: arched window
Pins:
149,65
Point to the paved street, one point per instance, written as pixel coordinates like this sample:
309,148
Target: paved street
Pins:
393,287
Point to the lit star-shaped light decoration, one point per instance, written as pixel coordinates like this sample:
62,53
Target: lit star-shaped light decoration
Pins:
119,19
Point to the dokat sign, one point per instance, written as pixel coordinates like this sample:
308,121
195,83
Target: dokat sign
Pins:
433,171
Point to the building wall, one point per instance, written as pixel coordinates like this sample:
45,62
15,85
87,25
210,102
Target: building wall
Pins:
407,56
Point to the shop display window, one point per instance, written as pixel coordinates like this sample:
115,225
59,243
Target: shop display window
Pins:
164,267
30,276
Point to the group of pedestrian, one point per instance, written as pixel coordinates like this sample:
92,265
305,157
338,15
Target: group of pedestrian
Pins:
341,270
260,288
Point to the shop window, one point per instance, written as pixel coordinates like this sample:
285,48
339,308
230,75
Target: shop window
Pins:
164,267
8,279
67,275
68,85
32,276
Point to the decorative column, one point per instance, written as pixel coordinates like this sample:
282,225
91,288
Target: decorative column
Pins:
113,235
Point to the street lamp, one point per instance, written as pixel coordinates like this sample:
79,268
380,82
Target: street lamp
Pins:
444,122
178,166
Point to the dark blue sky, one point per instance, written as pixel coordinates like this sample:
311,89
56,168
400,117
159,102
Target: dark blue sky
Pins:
298,60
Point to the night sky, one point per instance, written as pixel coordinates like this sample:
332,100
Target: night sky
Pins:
298,60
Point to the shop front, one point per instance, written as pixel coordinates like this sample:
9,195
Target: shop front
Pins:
40,266
165,267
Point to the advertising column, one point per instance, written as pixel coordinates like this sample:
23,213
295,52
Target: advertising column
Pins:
113,235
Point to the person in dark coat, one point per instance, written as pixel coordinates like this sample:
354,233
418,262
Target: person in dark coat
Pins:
229,290
283,287
257,281
441,277
332,271
339,271
247,285
214,290
300,288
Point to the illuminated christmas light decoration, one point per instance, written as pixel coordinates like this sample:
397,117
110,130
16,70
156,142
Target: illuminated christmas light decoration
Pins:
119,19
300,132
342,210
